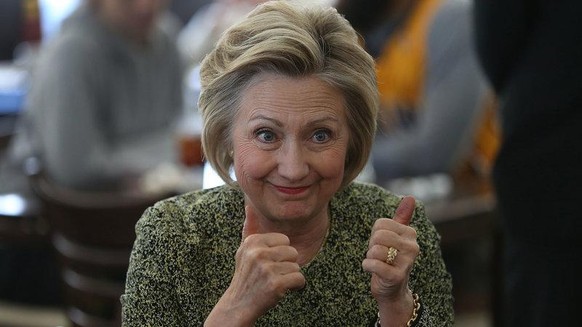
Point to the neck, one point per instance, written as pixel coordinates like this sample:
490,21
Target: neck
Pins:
307,237
309,244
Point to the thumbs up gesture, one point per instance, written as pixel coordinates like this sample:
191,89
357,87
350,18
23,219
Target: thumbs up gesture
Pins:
392,249
266,268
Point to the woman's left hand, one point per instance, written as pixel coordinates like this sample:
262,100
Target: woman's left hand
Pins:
390,279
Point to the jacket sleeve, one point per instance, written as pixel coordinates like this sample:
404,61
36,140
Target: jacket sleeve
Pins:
429,277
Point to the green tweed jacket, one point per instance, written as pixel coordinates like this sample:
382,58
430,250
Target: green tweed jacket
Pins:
183,261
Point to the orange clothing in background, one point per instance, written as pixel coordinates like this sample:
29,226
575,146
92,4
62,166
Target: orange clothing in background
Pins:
402,72
487,138
401,66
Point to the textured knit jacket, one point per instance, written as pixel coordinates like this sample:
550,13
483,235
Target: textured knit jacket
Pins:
183,261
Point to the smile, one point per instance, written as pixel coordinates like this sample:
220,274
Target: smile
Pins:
292,190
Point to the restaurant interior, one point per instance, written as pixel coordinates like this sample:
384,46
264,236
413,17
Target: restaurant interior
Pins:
68,251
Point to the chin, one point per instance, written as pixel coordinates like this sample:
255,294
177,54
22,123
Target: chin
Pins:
292,212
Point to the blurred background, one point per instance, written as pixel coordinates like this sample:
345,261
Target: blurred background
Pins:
437,141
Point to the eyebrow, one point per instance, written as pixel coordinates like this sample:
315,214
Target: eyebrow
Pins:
262,117
280,124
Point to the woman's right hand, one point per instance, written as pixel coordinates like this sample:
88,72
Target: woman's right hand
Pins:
266,268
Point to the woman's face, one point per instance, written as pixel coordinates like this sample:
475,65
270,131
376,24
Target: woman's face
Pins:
290,139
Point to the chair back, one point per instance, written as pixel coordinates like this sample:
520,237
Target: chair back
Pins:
93,234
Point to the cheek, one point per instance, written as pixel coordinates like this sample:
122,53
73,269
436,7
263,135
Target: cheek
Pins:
333,165
250,162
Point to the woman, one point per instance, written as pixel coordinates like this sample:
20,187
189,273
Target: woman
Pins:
289,101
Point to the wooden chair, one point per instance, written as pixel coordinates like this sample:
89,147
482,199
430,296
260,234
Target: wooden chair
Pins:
93,234
28,267
28,272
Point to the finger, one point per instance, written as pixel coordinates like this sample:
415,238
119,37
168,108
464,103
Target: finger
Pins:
251,224
382,270
283,253
405,210
407,253
294,281
269,240
286,267
386,224
379,252
286,282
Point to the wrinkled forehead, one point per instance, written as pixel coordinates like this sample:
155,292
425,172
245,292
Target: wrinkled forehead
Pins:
275,95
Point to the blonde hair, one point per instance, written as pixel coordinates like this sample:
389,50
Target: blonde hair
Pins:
285,38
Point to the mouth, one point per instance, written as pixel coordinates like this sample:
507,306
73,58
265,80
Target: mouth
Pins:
292,190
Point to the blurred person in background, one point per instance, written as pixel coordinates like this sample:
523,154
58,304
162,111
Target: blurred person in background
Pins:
432,91
532,53
185,9
105,95
203,30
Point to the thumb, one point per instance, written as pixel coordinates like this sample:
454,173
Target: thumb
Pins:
405,210
251,224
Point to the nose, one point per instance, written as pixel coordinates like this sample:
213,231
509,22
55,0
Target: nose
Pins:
293,162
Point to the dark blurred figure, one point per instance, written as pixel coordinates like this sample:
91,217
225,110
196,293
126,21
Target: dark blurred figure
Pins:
432,90
532,53
10,27
105,95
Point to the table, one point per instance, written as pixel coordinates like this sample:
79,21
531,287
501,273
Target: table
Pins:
469,211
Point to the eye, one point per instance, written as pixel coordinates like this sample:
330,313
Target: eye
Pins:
321,136
266,136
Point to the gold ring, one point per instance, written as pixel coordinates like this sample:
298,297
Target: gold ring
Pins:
392,253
